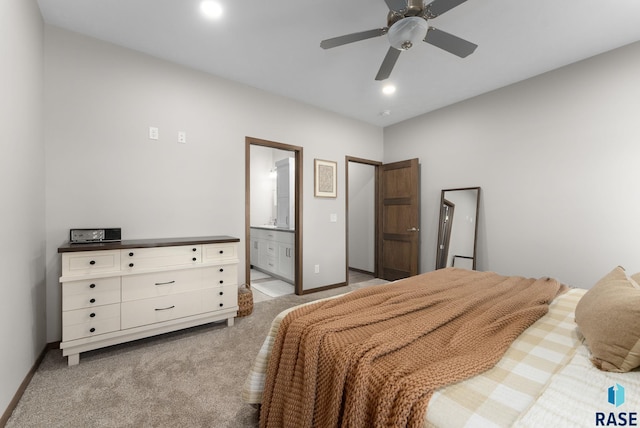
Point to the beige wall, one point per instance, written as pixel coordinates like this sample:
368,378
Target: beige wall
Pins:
557,159
103,171
22,307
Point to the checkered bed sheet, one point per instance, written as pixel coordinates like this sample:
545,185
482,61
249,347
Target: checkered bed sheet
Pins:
578,392
495,398
498,396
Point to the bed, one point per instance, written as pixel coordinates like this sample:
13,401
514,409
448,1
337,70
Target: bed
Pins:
545,376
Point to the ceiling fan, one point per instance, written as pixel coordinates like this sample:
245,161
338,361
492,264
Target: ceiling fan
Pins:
407,25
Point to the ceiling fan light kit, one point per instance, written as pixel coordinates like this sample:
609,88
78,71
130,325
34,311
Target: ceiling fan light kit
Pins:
407,32
407,24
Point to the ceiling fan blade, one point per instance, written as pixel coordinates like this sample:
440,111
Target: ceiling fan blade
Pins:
388,63
438,7
350,38
449,42
396,5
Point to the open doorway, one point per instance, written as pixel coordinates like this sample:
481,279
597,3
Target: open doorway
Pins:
273,219
396,223
362,219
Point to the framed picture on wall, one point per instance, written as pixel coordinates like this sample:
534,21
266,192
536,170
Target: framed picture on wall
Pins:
325,179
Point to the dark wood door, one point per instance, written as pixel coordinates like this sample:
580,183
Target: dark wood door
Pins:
400,214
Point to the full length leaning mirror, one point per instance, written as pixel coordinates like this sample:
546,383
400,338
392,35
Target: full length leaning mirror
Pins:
458,228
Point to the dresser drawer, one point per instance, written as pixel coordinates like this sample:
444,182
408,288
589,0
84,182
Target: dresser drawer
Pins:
160,257
215,299
215,253
158,309
220,275
90,293
90,321
79,331
156,284
143,286
90,262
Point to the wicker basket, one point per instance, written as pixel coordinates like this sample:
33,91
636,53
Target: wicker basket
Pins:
245,301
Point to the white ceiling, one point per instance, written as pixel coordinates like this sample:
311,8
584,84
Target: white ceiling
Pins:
275,45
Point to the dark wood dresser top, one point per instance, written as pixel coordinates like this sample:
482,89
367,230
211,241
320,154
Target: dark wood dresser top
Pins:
145,243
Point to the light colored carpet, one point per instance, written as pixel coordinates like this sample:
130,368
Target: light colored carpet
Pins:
274,288
190,378
258,296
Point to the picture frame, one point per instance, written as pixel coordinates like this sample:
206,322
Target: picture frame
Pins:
325,178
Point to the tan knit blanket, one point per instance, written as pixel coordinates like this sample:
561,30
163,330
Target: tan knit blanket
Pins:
373,357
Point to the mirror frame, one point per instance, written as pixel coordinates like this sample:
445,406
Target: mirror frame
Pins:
475,234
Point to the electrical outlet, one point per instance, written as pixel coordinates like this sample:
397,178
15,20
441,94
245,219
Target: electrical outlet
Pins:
182,137
153,133
316,268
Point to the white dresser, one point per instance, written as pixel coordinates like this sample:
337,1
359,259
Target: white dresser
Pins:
118,292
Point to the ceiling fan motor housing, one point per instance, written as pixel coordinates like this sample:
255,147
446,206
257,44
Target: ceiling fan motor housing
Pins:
414,8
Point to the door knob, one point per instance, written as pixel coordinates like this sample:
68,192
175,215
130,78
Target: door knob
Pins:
413,229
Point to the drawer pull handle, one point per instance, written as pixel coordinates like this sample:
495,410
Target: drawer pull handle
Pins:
92,314
92,301
130,264
221,304
165,309
194,259
92,330
221,251
221,270
194,249
92,286
221,281
221,293
165,283
131,254
92,262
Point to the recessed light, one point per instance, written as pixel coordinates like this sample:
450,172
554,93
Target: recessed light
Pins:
211,9
388,89
385,113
